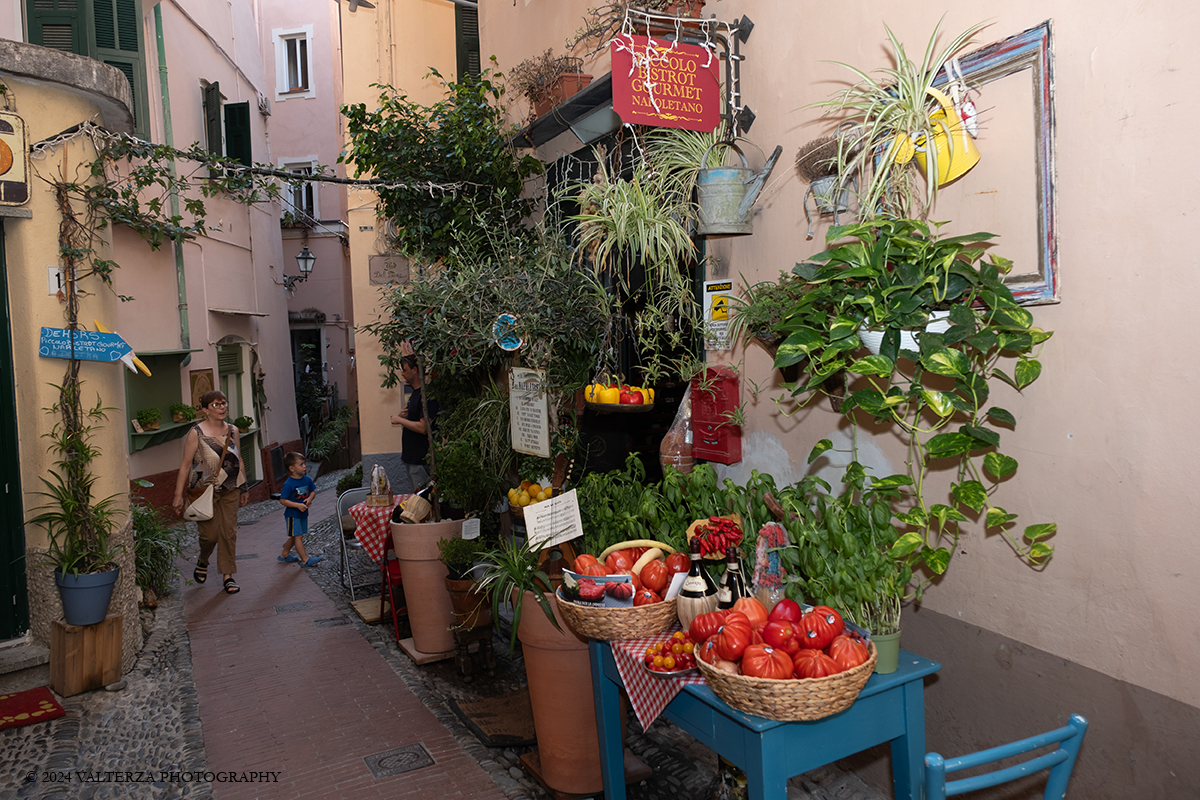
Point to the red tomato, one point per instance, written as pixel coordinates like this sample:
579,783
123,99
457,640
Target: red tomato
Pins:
706,626
583,561
780,634
597,570
848,651
819,627
678,562
619,590
734,636
635,553
755,611
818,665
655,576
764,661
618,561
645,597
707,651
786,609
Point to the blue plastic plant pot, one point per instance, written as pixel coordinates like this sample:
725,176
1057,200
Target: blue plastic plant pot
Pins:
85,597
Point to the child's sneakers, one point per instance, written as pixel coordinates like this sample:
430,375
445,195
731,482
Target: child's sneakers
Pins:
288,559
312,561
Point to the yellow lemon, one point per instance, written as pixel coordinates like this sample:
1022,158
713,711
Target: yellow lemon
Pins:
549,490
540,497
523,499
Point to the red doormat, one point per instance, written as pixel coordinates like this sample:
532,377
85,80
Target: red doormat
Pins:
23,708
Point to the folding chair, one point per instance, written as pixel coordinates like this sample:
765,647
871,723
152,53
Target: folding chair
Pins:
391,579
346,499
1059,761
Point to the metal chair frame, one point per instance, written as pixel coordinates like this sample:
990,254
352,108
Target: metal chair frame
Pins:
1059,761
346,499
390,578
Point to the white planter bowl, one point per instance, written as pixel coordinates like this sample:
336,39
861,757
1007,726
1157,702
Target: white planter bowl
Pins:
939,322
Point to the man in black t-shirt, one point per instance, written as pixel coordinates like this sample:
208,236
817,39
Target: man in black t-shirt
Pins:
414,440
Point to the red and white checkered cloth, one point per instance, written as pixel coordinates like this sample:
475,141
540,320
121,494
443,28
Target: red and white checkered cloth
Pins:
374,525
648,694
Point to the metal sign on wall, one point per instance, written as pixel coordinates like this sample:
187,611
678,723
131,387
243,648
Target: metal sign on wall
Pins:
667,84
14,164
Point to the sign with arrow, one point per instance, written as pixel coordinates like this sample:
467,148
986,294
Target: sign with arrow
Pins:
88,345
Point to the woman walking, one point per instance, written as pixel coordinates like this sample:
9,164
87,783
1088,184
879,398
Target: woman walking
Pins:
202,464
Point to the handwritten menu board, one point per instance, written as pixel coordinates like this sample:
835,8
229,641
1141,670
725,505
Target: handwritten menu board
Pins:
529,411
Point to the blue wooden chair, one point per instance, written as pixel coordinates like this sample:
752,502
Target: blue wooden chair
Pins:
1059,761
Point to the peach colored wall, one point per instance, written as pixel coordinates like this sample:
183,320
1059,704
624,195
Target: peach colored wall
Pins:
396,43
1105,438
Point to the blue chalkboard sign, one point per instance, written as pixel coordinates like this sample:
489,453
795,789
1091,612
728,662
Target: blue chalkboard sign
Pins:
89,345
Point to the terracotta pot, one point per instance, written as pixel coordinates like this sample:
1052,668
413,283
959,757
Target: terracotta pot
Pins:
560,691
430,614
471,606
564,86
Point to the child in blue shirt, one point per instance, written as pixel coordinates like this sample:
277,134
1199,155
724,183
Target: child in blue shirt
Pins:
297,496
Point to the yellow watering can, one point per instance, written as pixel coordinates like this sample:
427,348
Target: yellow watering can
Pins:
956,150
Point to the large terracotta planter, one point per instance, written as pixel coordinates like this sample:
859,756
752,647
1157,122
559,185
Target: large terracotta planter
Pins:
565,85
560,691
430,614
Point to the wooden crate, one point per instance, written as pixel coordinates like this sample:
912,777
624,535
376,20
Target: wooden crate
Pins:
85,657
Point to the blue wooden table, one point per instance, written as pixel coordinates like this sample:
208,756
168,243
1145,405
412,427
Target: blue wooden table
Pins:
891,708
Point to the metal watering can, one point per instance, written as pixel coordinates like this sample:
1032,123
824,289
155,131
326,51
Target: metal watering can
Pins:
956,150
725,195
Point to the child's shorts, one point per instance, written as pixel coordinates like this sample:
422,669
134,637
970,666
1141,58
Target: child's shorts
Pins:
297,526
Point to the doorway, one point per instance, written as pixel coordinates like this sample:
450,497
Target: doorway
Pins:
14,597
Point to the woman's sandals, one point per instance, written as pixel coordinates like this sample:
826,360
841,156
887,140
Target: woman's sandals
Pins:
231,587
200,574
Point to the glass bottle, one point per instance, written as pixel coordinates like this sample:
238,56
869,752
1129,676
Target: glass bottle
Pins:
698,595
733,583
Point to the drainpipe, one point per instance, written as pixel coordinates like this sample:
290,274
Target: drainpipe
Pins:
185,335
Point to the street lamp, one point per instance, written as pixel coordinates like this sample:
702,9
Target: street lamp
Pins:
305,260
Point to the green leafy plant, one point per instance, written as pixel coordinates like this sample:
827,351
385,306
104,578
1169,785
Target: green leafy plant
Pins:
888,112
243,422
459,555
442,170
891,275
351,480
156,545
148,416
331,436
511,572
79,525
183,410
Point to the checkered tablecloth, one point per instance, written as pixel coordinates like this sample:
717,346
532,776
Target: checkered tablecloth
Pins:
648,694
374,525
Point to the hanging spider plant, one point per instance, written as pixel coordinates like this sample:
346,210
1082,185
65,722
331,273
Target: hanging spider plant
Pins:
885,118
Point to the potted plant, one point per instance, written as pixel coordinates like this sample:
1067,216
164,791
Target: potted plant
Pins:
182,412
547,80
892,116
891,275
842,551
243,423
470,605
148,418
79,525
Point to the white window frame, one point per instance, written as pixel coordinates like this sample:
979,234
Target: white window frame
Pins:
292,165
281,38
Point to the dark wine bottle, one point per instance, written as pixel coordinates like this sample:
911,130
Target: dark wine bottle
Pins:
733,583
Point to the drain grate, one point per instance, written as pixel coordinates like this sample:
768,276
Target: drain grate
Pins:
302,606
402,759
245,556
332,622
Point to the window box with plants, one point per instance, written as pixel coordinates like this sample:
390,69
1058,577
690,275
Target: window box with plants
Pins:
182,412
548,80
243,423
148,418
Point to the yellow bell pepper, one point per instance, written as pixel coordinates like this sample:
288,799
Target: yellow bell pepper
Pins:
610,394
592,393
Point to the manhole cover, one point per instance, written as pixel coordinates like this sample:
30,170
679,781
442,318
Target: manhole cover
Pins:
307,604
402,759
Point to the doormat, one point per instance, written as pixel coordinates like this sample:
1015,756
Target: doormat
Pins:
499,721
23,708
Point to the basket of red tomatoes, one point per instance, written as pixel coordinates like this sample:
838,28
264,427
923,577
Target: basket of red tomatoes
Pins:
619,594
790,664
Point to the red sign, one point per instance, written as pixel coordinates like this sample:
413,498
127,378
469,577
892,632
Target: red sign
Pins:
666,84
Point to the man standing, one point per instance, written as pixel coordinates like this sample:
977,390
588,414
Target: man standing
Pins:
414,440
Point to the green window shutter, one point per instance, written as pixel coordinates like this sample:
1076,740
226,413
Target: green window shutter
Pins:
58,24
466,41
116,24
229,359
237,132
212,118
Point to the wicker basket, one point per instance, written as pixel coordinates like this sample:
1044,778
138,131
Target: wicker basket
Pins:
612,624
790,700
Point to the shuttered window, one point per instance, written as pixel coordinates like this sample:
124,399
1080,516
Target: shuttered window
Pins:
466,30
106,30
237,133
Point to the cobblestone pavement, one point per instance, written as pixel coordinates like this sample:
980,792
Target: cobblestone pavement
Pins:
152,725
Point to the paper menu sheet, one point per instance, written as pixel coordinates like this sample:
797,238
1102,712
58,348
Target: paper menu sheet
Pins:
553,521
